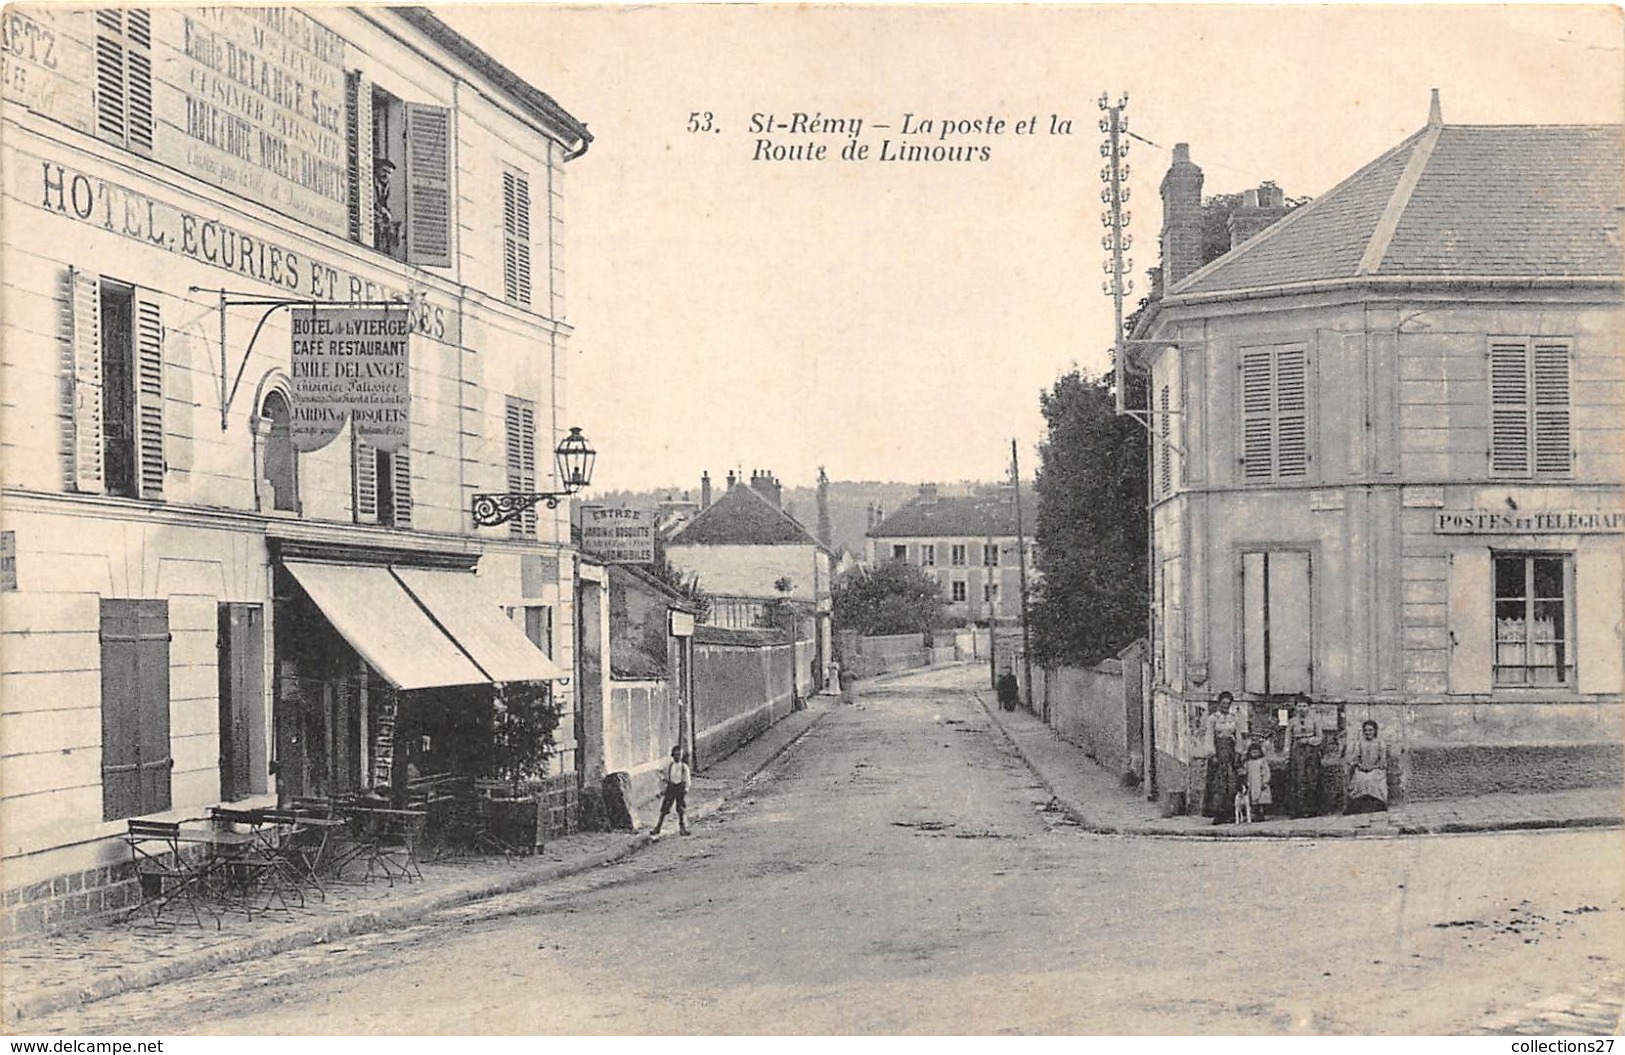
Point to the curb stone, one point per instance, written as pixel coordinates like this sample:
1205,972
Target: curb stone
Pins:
367,921
1396,830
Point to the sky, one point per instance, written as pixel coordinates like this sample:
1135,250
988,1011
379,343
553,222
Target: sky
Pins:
898,320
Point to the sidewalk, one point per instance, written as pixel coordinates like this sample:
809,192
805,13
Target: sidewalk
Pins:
48,973
1093,797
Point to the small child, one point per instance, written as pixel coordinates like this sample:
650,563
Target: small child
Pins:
1256,779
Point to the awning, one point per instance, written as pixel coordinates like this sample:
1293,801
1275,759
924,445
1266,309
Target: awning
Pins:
463,609
381,621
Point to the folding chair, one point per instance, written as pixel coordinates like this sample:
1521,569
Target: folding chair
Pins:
165,874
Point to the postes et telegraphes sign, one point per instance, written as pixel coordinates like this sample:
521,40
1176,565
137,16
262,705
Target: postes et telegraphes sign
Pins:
1533,522
618,535
351,364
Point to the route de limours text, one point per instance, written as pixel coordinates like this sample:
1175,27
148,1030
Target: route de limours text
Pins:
811,136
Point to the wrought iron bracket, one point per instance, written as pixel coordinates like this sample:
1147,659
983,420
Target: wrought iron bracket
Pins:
489,510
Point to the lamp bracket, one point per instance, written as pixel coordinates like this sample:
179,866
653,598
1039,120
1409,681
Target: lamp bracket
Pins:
489,510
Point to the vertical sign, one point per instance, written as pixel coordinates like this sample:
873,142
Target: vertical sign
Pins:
8,560
351,363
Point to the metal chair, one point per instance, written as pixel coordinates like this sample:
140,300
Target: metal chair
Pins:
166,875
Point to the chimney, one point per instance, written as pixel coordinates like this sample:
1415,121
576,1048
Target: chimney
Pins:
1181,218
928,494
731,479
705,489
767,485
869,517
1435,114
1258,209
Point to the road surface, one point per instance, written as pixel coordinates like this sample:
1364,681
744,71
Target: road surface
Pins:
896,872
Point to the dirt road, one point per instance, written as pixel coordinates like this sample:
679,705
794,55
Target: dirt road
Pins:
895,872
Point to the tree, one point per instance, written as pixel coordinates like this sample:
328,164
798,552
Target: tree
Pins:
688,586
1090,600
894,598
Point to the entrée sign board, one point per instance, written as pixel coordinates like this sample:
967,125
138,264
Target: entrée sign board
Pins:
351,363
618,535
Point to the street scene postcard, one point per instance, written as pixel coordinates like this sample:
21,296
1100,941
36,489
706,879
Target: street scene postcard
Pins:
826,520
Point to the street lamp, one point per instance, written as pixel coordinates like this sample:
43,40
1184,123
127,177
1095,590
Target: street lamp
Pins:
575,458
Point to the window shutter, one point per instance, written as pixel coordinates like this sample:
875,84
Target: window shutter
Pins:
1291,623
1256,408
510,268
428,185
138,77
1164,462
1600,616
1254,646
149,351
1553,453
152,668
1472,622
124,77
521,460
86,296
522,238
364,483
111,105
400,466
352,152
1509,408
1292,412
121,730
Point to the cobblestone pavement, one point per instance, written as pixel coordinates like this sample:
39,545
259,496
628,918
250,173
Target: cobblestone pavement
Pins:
900,871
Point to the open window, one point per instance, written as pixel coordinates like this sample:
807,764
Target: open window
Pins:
410,178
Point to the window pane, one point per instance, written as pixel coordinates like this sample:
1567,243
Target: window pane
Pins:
1548,577
1509,577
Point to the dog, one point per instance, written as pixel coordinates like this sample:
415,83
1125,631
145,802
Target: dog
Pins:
1244,807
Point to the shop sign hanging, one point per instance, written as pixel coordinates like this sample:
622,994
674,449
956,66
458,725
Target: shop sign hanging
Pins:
351,363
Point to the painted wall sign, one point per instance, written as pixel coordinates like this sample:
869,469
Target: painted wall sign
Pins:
251,99
45,64
622,536
8,560
65,191
1534,522
351,363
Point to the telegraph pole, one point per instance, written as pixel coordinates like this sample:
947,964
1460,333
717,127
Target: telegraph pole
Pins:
1115,219
1021,563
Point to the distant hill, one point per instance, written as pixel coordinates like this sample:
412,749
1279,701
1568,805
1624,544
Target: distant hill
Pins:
849,502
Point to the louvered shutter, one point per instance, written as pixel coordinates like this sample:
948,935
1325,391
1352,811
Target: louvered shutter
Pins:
400,468
364,481
149,350
428,185
124,77
352,152
138,77
152,667
1291,412
1164,461
111,104
1553,452
87,474
1509,408
520,428
521,236
510,270
1257,406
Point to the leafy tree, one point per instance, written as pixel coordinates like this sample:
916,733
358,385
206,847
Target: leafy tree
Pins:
1090,600
894,598
687,585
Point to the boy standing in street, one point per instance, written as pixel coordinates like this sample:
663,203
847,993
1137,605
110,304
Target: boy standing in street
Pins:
675,774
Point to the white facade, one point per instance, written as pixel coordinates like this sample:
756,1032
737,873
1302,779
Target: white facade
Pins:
237,149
